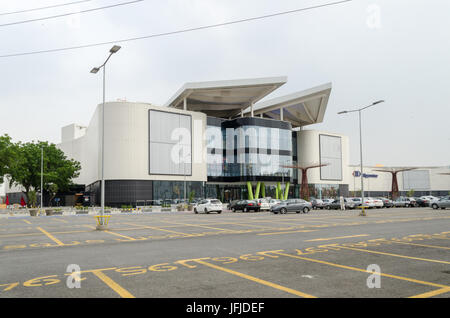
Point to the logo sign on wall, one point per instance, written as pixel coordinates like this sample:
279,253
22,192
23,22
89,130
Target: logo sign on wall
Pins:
365,175
356,173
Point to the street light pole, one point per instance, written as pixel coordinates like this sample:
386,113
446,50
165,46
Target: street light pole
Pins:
113,50
360,143
42,177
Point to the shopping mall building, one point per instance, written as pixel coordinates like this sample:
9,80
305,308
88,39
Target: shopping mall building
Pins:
213,139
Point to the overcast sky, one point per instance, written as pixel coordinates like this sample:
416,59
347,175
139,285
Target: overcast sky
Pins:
401,55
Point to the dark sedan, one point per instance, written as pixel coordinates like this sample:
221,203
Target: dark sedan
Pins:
292,205
245,206
387,203
336,204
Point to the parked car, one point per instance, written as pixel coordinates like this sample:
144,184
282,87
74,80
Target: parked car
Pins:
401,202
336,204
426,200
368,202
273,202
208,205
356,201
292,205
376,202
412,202
326,202
245,206
263,204
387,203
232,203
317,204
441,203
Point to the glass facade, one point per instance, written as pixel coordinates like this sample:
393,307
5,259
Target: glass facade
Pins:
248,149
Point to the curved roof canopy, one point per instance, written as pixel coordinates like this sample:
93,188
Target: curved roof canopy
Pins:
300,109
224,99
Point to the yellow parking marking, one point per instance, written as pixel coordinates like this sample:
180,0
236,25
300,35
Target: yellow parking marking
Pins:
362,270
256,280
336,238
424,245
27,222
203,226
61,220
159,229
432,293
286,232
395,255
113,285
113,233
54,239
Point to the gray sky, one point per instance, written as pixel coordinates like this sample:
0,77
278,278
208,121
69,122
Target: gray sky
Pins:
404,59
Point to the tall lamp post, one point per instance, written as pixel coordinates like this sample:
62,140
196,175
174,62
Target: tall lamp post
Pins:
360,145
42,177
113,50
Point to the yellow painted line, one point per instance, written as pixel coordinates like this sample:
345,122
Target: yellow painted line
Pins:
432,293
120,235
159,229
26,221
257,280
113,233
336,238
113,285
362,270
424,245
61,220
54,239
203,226
286,232
395,255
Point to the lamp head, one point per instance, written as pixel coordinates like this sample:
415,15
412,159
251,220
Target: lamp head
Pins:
114,49
378,102
95,70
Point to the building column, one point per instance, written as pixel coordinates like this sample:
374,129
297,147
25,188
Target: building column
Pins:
286,190
250,190
251,109
258,186
281,113
185,104
263,190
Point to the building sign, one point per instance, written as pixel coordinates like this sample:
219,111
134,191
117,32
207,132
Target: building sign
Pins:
366,175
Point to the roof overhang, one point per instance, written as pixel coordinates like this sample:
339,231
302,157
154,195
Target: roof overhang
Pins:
224,99
300,109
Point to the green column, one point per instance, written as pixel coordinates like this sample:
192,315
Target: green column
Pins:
286,190
258,186
250,190
263,190
278,193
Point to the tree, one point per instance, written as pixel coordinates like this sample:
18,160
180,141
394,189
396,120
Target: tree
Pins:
26,168
7,155
52,190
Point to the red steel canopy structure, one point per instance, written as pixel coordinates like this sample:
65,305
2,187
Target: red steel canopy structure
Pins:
304,190
394,172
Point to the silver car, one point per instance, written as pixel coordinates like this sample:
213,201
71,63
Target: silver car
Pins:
292,205
441,203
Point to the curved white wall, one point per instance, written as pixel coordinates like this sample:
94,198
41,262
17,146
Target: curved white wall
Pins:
127,144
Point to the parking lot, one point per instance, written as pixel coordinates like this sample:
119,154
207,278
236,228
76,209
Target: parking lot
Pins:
182,254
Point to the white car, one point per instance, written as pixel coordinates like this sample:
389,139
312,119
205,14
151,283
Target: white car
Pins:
377,202
273,202
208,205
263,204
369,202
